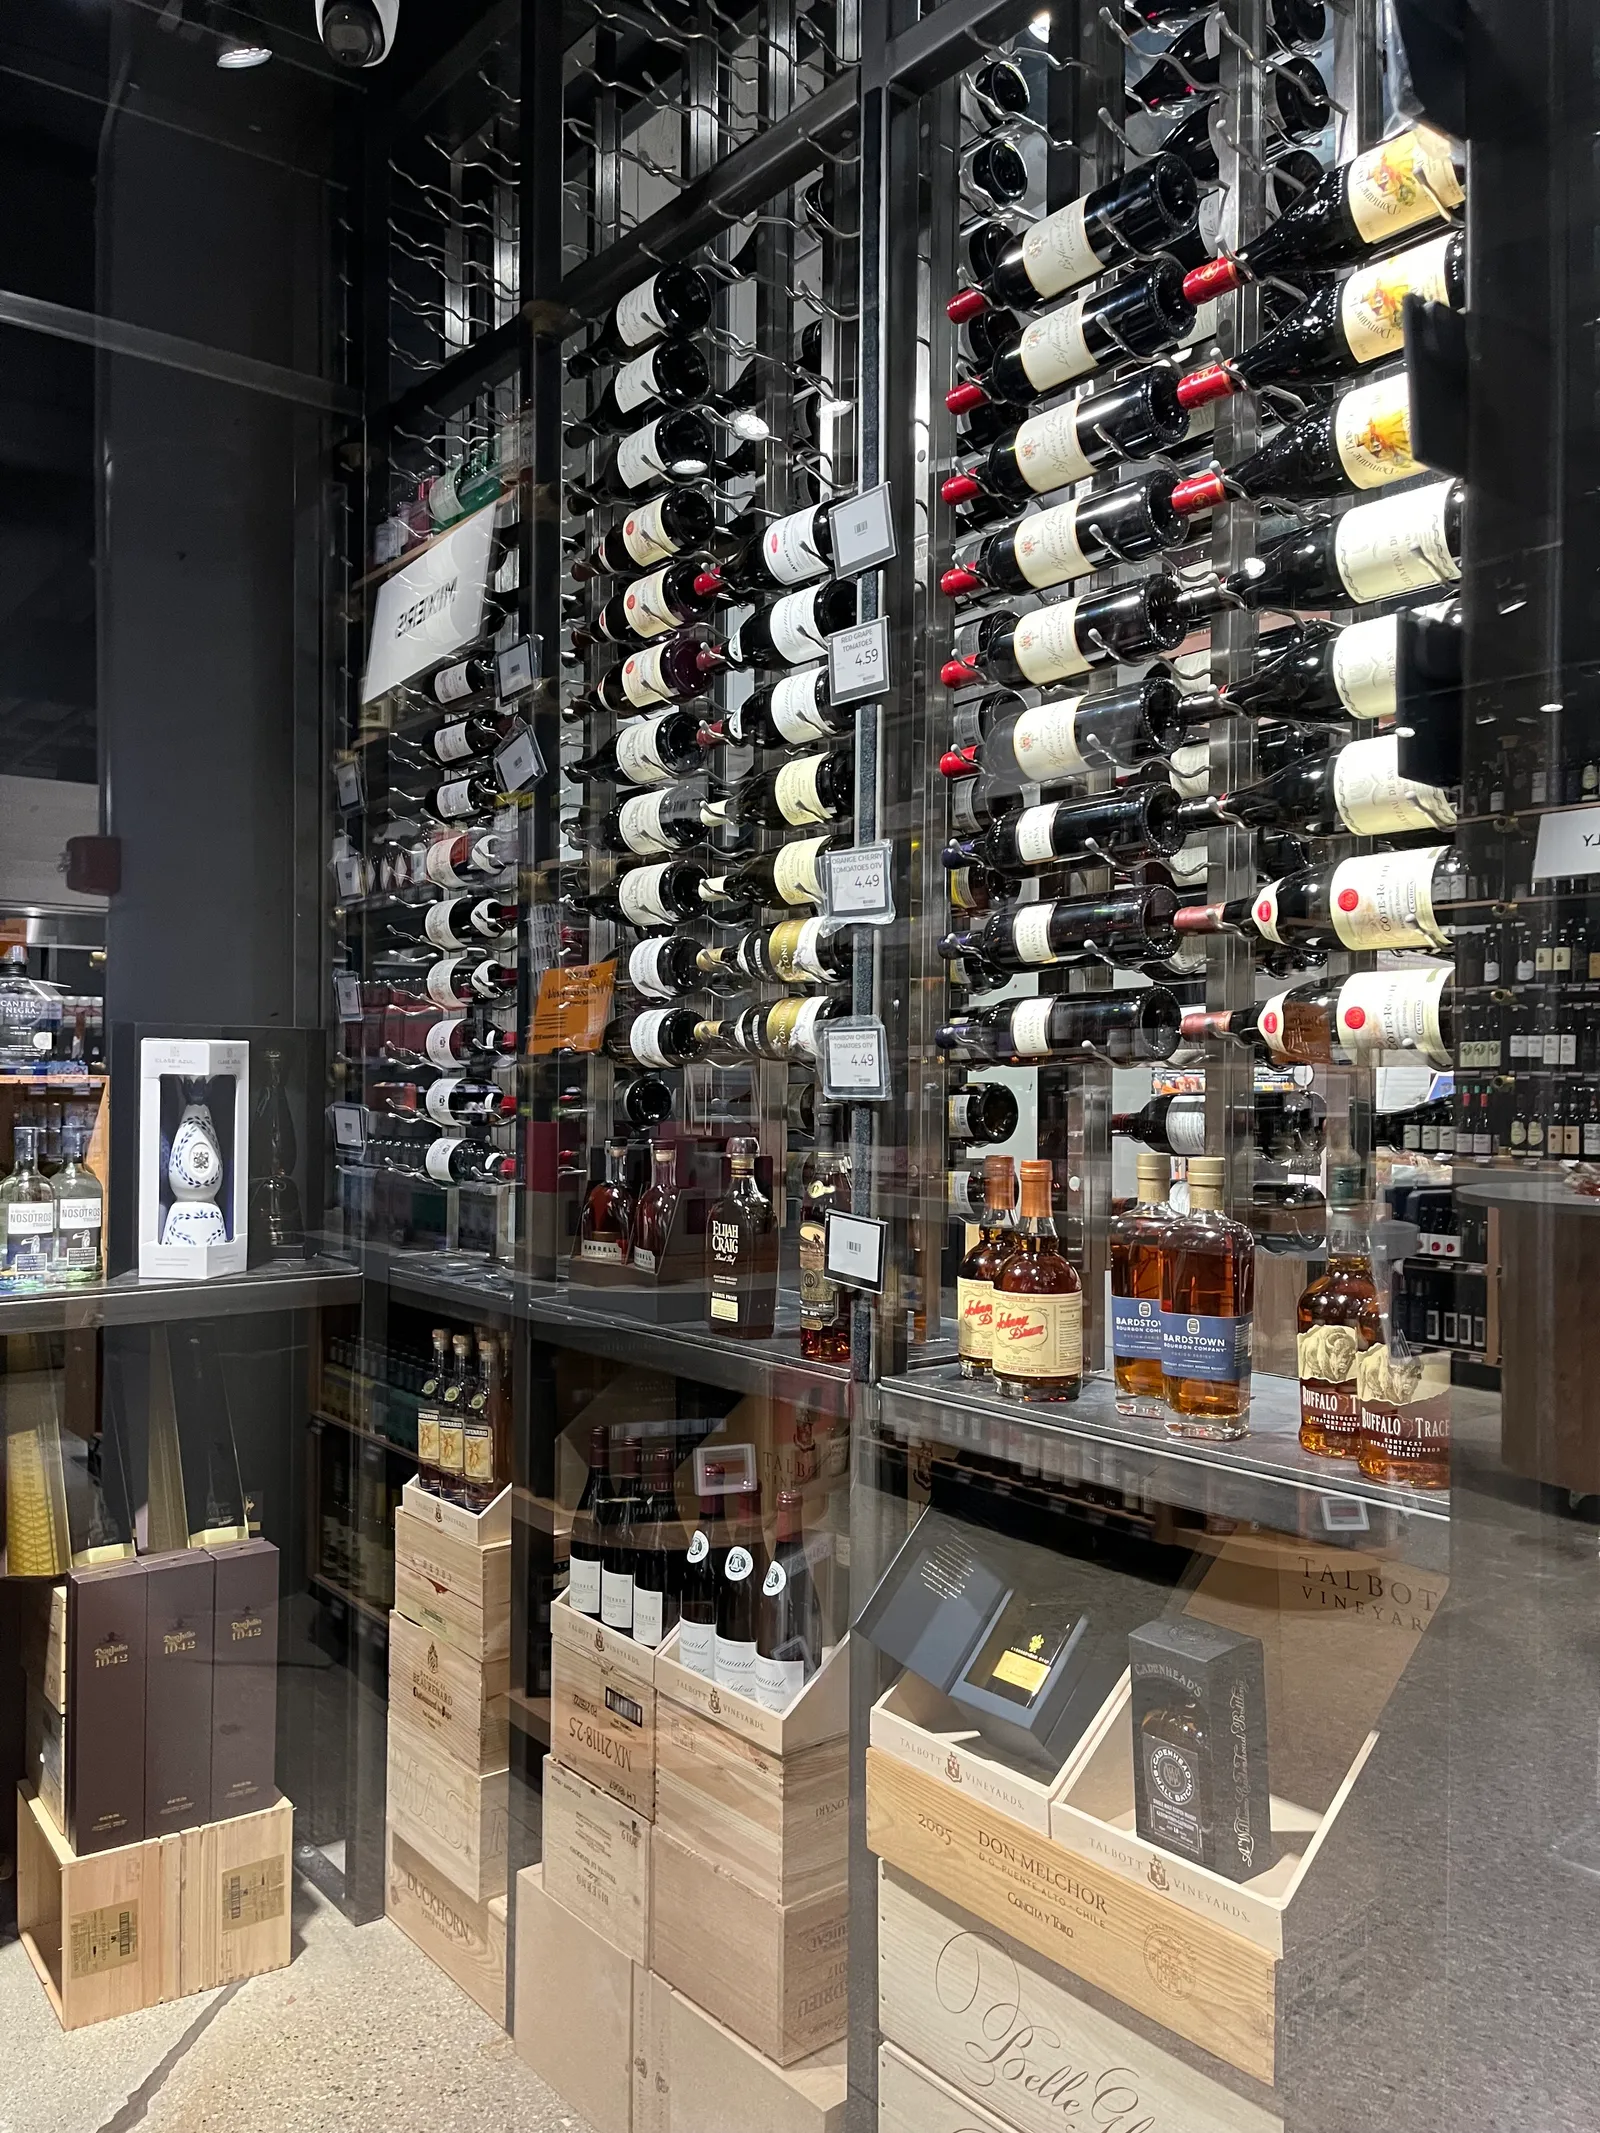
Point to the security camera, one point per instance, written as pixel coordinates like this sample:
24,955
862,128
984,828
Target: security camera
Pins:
358,33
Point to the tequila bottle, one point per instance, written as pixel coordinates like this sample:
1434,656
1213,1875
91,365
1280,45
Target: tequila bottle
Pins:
27,1218
79,1209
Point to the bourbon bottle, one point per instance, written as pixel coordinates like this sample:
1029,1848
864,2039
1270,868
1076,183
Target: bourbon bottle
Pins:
657,1206
1138,1241
1207,1293
742,1251
605,1234
976,1278
1337,1319
1038,1305
824,1306
1405,1417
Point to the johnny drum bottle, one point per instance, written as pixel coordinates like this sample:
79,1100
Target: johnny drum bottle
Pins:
1036,1335
1207,1297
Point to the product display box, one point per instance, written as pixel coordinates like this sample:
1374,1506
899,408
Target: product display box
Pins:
573,2022
597,1860
673,1292
913,1722
463,1936
455,1819
460,1706
180,1597
194,1141
457,1590
603,1707
1199,1714
244,1686
453,1521
106,1701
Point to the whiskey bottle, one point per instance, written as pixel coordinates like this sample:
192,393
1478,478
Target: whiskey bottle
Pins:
744,1571
702,1578
486,1448
429,1404
1137,1245
1207,1295
1038,1305
605,1232
789,1624
452,1421
742,1252
975,1278
657,1205
824,1306
1405,1416
1337,1319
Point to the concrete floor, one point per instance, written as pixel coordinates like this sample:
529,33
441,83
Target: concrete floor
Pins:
361,2034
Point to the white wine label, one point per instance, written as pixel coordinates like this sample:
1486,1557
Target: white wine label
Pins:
639,897
1052,350
638,317
639,457
795,711
806,953
437,1101
639,823
583,1585
645,537
642,682
792,624
1030,933
441,980
697,1646
1391,1010
795,790
1372,299
1385,899
483,984
1038,1336
736,1665
1033,833
778,1682
637,756
1030,1028
974,1319
1366,658
792,549
26,1218
1047,548
738,1566
452,684
78,1214
1372,432
1374,800
616,1598
699,1548
438,1040
450,743
439,1156
803,1038
1402,182
1396,545
436,924
1186,1130
453,800
644,603
644,968
1056,253
1272,1023
1045,644
645,1038
635,382
794,869
1190,775
649,1617
1044,742
1049,455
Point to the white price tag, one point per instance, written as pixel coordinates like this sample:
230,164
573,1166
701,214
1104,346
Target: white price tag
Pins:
1344,1514
347,783
853,1251
1569,843
863,532
347,995
858,661
347,873
855,1060
515,669
544,937
857,885
519,762
349,1126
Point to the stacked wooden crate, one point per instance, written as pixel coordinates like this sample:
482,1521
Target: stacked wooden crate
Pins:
449,1739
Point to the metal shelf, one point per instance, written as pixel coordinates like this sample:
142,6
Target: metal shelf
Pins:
126,1300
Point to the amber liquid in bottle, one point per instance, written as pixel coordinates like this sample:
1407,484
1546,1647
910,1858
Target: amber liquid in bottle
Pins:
1138,1244
824,1306
1337,1321
605,1235
976,1277
1207,1294
742,1252
1038,1305
1405,1419
657,1205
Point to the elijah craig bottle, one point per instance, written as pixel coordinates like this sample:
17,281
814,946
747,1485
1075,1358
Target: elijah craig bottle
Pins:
742,1251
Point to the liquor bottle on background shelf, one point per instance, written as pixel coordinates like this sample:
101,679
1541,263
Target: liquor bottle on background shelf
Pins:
79,1213
620,1537
1120,828
1376,900
1037,1324
824,1306
430,1403
976,1276
744,1571
671,374
657,1205
982,1111
1207,1298
1337,1320
702,1579
1126,927
789,1621
458,1390
1137,1240
674,523
794,711
1123,625
1145,313
1398,544
1137,519
1041,744
605,1231
1136,417
643,751
677,300
1125,1027
795,629
1363,441
658,1556
1140,212
742,1251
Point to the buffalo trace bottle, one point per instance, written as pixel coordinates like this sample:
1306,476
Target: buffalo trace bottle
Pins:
742,1251
1137,1241
1038,1305
701,1579
976,1278
1405,1416
1337,1320
1207,1294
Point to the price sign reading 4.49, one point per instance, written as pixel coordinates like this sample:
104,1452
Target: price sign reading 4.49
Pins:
857,888
855,1061
858,662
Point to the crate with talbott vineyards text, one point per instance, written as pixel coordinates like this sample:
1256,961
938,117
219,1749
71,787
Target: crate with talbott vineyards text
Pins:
603,1706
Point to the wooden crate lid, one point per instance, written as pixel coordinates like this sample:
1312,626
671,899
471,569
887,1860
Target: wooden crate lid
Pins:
584,1636
821,1711
478,1528
914,1722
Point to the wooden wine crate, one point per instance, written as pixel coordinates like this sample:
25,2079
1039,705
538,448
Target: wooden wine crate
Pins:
464,1938
776,1974
782,1821
92,1927
951,1990
458,1590
238,1884
821,1711
574,2017
603,1707
478,1529
454,1818
597,1860
916,1724
462,1705
653,2001
722,2085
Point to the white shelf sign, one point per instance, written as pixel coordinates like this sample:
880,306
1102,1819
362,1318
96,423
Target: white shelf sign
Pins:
855,1061
857,887
853,1251
863,532
1569,843
520,762
858,661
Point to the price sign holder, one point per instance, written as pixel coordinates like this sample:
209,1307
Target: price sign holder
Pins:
348,876
520,762
857,886
347,782
544,937
863,531
858,662
855,1061
347,995
349,1127
516,668
854,1251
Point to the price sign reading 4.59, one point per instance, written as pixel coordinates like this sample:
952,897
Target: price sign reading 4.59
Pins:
858,661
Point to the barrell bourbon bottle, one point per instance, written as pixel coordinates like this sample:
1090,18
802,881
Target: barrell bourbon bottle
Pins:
1207,1293
742,1251
605,1234
1337,1319
1038,1305
1138,1243
976,1278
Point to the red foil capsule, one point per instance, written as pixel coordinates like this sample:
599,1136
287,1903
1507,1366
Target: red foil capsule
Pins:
959,488
958,580
1215,382
1198,492
1215,278
958,674
964,398
965,304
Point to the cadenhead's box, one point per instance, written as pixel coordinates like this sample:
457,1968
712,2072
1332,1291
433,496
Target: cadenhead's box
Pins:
180,1594
106,1697
1200,1722
244,1685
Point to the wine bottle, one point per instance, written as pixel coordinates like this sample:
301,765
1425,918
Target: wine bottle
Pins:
1363,441
744,1570
805,951
1356,209
666,674
452,1161
1143,314
1116,828
658,1556
983,1111
807,788
454,1097
1172,1124
464,737
671,374
1358,790
795,629
674,300
456,862
618,1539
787,551
459,921
1124,624
702,1579
789,1029
771,880
1347,322
1140,212
668,447
653,606
665,966
650,896
643,751
1294,1027
1137,519
1318,670
1378,900
457,1038
1190,66
655,1037
1125,927
1125,1027
1398,544
473,676
459,798
464,978
678,520
1131,419
586,1547
1042,744
789,1622
791,712
735,966
650,824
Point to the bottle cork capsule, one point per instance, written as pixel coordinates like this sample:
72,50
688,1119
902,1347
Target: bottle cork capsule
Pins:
1206,1170
1036,1188
999,1180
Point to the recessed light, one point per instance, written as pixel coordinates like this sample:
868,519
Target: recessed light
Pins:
234,55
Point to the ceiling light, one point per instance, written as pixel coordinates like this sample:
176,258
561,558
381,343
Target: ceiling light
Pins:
235,55
1040,27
